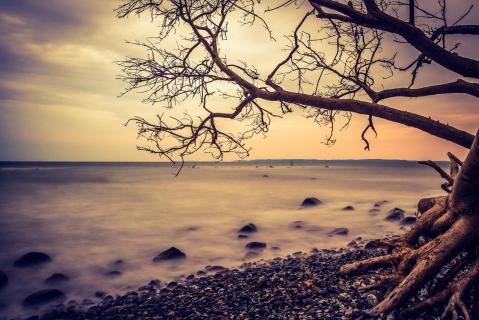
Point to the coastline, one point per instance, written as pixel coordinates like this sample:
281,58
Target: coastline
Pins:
299,286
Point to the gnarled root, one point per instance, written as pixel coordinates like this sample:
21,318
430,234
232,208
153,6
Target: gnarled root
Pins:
453,294
439,253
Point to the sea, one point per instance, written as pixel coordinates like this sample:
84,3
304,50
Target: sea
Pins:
89,215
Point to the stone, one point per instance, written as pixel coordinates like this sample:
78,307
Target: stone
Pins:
310,202
242,236
114,273
249,228
395,214
44,297
56,278
297,224
340,231
348,208
32,259
170,254
255,245
407,220
3,279
215,268
251,255
372,300
119,262
352,244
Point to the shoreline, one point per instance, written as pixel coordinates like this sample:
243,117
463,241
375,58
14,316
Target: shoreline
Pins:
298,286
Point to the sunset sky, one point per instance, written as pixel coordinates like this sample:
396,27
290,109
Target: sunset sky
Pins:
59,96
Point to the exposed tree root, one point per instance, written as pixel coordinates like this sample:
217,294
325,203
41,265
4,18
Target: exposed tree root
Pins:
439,253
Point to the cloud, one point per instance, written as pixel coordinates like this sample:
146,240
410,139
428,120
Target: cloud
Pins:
59,97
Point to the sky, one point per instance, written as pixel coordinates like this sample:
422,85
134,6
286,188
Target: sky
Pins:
60,96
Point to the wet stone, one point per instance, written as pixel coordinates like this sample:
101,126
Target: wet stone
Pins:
44,297
32,259
3,279
57,278
249,228
170,254
339,231
255,245
395,214
310,202
408,220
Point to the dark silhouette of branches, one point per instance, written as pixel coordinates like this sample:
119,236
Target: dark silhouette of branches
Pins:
328,87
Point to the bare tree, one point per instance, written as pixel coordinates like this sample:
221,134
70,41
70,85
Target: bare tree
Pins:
329,87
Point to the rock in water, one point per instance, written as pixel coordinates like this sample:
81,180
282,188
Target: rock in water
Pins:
395,214
255,245
251,255
3,279
348,208
43,297
32,259
119,262
56,278
170,254
215,268
340,231
249,228
408,220
311,201
114,273
297,224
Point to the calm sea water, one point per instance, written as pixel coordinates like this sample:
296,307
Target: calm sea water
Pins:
87,216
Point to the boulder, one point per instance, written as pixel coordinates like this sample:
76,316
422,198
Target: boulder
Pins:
43,297
56,278
255,245
340,231
348,208
32,259
170,254
3,279
310,202
408,220
395,214
249,228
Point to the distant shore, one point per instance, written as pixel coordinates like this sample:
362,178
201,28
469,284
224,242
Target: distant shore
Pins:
299,286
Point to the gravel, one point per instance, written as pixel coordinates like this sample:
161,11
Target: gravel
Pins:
300,286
